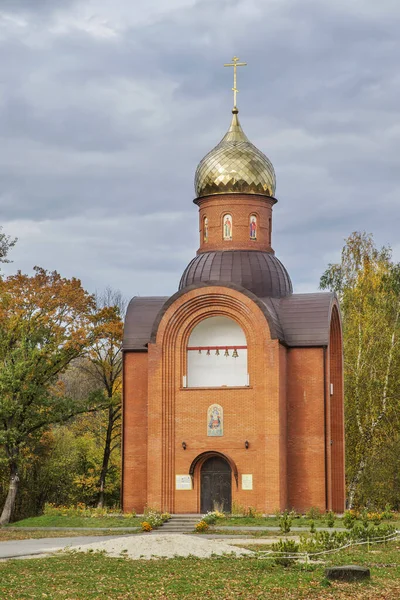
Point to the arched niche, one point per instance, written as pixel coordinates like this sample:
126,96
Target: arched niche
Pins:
217,354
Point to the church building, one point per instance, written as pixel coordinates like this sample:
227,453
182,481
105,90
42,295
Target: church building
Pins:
233,386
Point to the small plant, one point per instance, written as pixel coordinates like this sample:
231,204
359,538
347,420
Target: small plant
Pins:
349,519
211,517
201,526
252,512
165,517
313,513
375,517
238,510
285,522
387,514
312,527
287,550
146,526
330,518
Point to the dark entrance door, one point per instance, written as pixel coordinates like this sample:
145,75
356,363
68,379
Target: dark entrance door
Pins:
215,485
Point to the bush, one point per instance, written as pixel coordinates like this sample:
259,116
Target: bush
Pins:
211,517
146,526
80,510
323,540
313,513
285,522
349,518
201,526
153,517
330,518
165,517
290,548
312,527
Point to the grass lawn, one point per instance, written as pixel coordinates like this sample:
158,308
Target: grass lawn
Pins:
60,521
76,576
10,534
274,522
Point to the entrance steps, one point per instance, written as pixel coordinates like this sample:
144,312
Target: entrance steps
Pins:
179,524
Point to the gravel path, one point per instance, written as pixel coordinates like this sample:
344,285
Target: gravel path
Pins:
162,546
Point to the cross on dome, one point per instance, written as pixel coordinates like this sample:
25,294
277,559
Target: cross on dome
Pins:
235,63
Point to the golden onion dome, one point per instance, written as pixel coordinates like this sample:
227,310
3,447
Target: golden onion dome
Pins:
235,166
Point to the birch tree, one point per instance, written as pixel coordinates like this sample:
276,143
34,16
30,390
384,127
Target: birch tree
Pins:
368,285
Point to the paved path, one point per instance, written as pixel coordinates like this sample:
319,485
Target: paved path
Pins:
20,548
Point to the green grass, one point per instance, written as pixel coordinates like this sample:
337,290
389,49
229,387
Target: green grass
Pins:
60,521
274,522
77,576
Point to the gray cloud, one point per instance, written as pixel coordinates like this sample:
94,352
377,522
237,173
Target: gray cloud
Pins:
105,111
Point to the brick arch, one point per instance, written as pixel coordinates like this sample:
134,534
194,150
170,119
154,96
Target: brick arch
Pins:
170,337
201,458
335,355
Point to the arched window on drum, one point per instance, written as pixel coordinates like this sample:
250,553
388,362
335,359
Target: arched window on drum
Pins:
217,354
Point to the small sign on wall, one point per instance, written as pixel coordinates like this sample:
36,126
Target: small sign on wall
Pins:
247,482
183,482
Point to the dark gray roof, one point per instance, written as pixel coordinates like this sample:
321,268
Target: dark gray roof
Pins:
259,272
140,316
305,318
296,320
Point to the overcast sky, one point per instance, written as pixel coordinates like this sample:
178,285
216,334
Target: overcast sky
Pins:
106,108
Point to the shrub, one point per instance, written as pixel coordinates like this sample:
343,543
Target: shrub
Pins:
285,522
252,512
312,527
313,513
289,547
349,518
211,517
375,517
387,513
330,518
146,526
201,526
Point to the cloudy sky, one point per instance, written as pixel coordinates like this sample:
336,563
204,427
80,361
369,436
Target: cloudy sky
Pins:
107,107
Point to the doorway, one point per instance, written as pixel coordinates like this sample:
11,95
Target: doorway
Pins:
215,485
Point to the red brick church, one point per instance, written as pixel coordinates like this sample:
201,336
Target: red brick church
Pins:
233,386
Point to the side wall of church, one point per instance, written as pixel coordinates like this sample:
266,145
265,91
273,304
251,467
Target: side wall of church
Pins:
255,414
306,429
134,432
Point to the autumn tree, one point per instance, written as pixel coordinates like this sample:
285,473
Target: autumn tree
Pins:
368,285
46,322
105,366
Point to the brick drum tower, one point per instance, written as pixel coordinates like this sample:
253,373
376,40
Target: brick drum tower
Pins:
233,387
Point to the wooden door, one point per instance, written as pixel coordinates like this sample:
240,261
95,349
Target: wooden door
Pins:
215,485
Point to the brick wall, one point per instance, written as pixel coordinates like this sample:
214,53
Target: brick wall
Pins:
241,207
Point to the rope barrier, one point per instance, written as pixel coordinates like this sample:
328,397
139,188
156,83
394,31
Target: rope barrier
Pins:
306,555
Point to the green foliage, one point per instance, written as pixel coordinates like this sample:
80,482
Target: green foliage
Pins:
330,518
288,548
349,518
285,522
312,527
368,284
313,513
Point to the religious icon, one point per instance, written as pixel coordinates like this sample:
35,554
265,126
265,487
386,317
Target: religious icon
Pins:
215,420
205,229
227,227
253,227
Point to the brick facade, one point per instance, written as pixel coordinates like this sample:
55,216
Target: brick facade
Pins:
241,207
282,414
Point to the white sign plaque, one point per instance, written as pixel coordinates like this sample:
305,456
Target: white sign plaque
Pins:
183,482
247,482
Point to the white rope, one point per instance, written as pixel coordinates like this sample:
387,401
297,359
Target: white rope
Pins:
306,555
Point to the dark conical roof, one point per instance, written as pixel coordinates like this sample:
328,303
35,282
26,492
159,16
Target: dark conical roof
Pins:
259,272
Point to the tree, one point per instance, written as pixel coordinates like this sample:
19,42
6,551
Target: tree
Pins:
105,359
6,243
46,321
368,285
